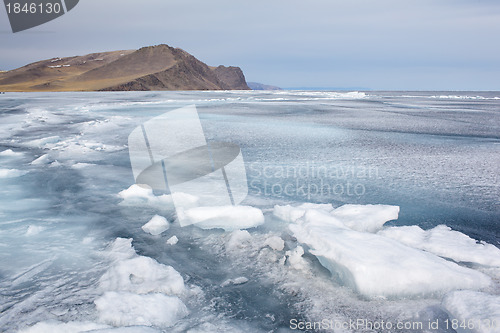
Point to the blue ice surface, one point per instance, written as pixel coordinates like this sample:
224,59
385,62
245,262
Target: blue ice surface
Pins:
436,154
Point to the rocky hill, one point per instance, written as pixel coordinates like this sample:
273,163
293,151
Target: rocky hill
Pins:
261,86
158,67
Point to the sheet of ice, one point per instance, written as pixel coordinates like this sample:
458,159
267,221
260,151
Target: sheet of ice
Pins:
447,243
476,310
46,142
10,153
54,326
228,218
157,225
12,173
375,265
44,159
140,195
80,165
367,218
235,282
125,309
290,213
172,240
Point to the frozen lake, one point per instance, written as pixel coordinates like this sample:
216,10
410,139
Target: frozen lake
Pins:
67,206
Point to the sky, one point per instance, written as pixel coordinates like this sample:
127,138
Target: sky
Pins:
350,44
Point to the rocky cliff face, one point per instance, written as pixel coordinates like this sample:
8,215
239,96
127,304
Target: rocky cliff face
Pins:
158,67
232,77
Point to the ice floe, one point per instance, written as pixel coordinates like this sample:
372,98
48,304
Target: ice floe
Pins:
290,213
44,159
157,225
375,265
368,218
172,240
138,290
224,217
139,274
142,195
447,243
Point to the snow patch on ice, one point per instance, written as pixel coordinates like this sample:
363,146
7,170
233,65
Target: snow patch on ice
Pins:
367,218
12,173
238,239
44,142
125,309
120,249
224,217
54,326
295,259
275,243
157,225
447,243
87,240
474,308
10,153
234,282
220,327
141,195
129,329
34,230
139,274
81,165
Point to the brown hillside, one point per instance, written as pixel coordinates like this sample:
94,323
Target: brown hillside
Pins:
149,68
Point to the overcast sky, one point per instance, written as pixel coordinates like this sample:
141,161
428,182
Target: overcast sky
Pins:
372,44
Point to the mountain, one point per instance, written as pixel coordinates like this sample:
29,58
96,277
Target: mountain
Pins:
261,86
158,67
